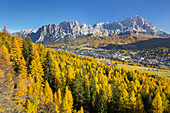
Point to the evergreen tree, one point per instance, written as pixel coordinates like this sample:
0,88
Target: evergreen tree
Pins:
87,97
164,102
63,82
147,102
27,51
93,92
100,102
139,104
114,106
48,70
78,91
30,47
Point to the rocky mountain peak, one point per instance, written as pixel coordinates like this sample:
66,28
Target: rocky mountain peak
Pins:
132,21
24,33
74,29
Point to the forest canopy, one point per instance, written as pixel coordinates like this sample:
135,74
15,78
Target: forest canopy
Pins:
38,79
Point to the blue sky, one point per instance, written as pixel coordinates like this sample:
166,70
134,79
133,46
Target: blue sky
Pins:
32,14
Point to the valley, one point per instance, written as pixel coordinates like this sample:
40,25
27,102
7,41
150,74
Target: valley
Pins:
149,52
144,64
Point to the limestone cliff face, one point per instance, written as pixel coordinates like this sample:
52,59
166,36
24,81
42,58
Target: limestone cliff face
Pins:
73,29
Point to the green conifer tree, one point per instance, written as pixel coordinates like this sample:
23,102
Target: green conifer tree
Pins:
101,103
49,74
78,91
93,92
164,102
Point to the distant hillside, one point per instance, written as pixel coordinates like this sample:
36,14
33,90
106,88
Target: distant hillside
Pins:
149,43
58,33
153,43
108,42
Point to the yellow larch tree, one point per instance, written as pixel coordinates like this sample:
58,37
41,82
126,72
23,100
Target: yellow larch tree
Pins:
68,101
132,101
56,103
5,50
87,81
22,88
109,92
36,68
70,74
56,70
157,104
81,110
97,88
59,97
42,53
16,50
139,104
55,99
34,90
30,107
124,100
48,94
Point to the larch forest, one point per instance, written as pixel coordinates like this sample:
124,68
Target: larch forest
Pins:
35,79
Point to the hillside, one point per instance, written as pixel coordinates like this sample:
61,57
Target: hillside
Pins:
146,43
39,79
153,43
110,42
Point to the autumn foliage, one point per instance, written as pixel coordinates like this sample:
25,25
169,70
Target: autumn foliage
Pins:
39,79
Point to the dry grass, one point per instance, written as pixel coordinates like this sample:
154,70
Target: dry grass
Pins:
160,72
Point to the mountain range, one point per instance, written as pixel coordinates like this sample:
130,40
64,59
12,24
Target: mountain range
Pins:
136,25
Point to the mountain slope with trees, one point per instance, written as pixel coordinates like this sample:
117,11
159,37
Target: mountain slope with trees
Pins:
39,79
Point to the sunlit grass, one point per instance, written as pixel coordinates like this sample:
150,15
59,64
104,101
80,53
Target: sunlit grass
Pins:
160,72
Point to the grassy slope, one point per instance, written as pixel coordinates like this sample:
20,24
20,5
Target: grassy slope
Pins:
160,72
154,71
